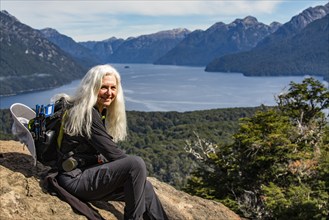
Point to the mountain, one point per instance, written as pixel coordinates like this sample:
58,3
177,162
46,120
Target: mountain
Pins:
142,49
103,49
31,62
304,53
200,47
148,48
296,24
23,195
84,56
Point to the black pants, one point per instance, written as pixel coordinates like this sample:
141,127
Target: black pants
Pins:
121,180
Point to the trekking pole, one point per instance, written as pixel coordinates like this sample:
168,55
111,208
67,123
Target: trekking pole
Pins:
42,122
36,122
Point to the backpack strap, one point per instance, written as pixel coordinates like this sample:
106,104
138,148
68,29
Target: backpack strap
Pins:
61,131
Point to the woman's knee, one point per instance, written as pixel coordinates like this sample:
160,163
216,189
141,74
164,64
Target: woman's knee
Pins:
138,164
149,189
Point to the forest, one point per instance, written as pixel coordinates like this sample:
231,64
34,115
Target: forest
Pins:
278,164
263,163
160,137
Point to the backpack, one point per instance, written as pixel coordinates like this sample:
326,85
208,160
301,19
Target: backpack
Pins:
47,131
42,133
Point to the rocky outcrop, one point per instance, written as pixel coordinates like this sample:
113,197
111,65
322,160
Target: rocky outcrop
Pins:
22,195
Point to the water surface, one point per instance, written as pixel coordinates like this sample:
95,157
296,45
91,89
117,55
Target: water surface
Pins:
150,87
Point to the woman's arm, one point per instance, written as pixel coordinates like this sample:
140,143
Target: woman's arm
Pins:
102,141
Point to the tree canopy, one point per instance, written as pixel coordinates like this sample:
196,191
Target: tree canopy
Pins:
278,165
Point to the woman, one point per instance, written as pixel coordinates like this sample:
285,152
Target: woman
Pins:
93,167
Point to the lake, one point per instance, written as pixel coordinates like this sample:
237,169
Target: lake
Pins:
150,87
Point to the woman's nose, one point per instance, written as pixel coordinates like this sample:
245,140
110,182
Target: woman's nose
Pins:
109,92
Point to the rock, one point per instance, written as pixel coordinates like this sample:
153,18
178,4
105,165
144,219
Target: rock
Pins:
23,197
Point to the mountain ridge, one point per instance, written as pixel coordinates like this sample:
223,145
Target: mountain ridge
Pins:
301,52
82,55
56,54
103,49
30,62
200,47
147,48
296,24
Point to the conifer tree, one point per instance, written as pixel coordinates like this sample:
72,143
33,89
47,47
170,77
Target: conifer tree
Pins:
278,165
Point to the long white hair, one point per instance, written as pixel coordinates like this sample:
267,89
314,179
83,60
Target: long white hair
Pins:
79,117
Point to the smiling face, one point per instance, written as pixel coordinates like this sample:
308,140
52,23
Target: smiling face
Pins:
107,92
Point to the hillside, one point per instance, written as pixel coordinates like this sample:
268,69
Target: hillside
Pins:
305,53
296,24
148,48
29,61
84,56
299,47
200,47
22,195
103,49
141,49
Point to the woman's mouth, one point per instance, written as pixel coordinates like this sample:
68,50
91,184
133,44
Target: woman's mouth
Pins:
106,99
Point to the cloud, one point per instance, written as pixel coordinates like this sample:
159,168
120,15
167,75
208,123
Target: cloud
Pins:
87,9
182,7
100,19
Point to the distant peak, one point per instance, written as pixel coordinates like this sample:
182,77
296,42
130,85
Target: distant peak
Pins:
275,23
310,14
177,32
180,30
49,32
250,20
6,13
174,31
216,26
111,39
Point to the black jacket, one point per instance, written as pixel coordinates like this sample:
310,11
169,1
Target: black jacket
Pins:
100,142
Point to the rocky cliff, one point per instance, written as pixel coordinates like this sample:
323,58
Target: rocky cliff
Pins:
22,195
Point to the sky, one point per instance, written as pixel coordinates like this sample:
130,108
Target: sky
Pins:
86,20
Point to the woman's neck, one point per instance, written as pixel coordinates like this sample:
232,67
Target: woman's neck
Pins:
99,107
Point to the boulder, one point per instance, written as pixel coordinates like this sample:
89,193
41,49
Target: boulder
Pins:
22,194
